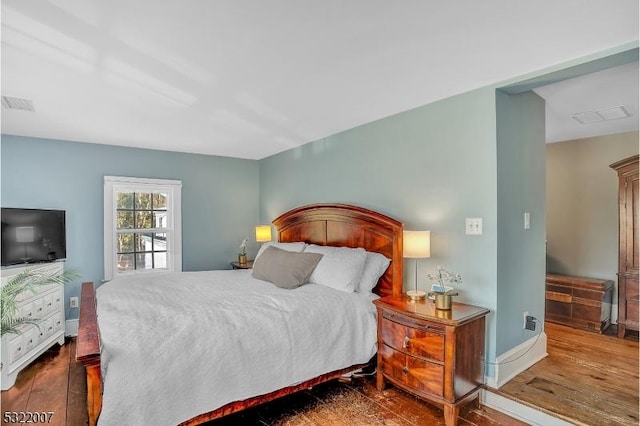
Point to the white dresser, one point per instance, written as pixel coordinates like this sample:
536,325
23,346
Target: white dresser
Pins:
46,306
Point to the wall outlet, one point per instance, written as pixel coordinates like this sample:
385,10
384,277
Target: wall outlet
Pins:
529,322
73,302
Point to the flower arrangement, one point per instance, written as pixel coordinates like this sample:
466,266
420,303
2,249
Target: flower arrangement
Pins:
242,249
442,278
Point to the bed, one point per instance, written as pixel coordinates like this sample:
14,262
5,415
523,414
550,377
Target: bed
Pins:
321,225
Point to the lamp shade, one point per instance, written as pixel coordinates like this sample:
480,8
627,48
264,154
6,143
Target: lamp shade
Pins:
416,244
263,233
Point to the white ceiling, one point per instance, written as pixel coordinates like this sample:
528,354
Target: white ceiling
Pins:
592,92
250,78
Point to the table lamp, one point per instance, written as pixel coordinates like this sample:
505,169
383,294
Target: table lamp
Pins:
263,233
416,245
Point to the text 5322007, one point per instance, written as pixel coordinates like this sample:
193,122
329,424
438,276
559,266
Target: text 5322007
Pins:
27,417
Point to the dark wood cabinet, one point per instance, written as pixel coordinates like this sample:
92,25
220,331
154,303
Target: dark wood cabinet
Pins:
434,354
628,254
578,302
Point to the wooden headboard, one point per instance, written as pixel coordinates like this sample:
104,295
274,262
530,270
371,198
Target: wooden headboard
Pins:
345,225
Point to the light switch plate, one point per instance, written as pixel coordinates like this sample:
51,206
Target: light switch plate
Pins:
473,226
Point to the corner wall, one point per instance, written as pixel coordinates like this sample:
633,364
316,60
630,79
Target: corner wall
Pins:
521,188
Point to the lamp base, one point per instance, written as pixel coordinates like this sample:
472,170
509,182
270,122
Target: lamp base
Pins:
416,294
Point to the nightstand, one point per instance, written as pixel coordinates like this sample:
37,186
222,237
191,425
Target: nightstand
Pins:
248,265
433,354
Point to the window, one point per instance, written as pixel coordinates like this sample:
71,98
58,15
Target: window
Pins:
142,224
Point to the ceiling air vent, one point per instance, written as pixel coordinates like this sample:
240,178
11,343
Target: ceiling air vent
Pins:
10,102
605,114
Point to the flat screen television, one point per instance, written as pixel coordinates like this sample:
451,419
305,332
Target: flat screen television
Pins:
32,236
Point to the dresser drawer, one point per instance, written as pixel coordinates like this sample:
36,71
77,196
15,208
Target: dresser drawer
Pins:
419,374
413,337
16,348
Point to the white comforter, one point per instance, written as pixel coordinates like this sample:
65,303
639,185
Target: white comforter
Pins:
181,344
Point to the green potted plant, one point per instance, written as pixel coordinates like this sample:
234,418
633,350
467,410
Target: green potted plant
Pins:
26,281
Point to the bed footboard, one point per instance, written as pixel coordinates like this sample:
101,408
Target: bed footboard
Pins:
88,350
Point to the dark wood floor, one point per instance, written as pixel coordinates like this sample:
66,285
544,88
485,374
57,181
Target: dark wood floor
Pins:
587,379
55,382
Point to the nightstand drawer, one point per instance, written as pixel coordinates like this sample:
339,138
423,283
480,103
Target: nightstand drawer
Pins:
427,341
421,375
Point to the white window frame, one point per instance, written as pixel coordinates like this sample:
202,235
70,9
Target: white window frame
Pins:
173,189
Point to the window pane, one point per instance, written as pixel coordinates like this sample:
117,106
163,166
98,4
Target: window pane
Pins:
143,201
124,219
144,242
144,261
160,219
125,243
125,262
159,201
124,200
143,220
160,260
159,242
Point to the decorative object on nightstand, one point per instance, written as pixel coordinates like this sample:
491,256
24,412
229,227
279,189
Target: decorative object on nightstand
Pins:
263,233
434,354
416,245
440,291
242,252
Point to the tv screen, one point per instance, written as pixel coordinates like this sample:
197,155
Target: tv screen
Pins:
32,236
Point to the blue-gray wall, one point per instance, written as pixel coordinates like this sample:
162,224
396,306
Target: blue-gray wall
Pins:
219,197
521,188
430,168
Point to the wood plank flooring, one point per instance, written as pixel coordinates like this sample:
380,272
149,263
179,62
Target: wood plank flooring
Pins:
56,382
587,379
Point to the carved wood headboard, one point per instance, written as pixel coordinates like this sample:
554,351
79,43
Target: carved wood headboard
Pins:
345,225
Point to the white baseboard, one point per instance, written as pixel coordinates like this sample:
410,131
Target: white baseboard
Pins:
515,361
519,411
71,327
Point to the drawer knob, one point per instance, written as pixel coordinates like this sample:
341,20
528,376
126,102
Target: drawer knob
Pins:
405,370
406,342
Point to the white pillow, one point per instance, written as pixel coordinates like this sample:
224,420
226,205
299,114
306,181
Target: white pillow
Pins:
340,267
297,247
374,267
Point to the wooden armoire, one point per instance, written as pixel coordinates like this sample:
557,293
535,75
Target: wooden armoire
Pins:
628,288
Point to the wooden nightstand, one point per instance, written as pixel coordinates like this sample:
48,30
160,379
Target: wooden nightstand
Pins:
248,265
435,355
